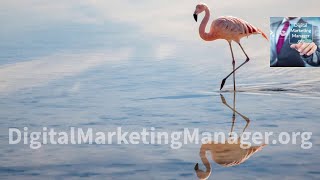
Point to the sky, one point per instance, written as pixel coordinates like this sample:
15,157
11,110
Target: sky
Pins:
158,17
42,30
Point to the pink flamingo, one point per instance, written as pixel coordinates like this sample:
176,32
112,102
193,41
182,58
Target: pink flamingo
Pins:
228,28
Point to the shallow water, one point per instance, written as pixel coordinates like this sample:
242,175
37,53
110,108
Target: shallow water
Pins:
71,74
111,95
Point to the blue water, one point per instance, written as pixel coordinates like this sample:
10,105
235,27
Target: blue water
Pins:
116,73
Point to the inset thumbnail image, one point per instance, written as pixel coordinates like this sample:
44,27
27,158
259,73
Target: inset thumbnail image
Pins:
294,42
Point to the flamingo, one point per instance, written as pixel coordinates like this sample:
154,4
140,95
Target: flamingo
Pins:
226,154
228,28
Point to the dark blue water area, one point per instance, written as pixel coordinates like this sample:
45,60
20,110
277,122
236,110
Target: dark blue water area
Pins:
108,96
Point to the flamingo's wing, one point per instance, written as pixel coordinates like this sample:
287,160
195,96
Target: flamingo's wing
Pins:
234,25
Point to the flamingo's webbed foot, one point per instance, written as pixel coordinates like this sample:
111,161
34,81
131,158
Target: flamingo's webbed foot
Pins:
222,83
223,99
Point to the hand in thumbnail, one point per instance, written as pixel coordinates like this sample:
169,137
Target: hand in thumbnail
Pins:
305,48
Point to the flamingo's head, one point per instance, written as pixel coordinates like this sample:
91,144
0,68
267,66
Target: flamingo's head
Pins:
199,9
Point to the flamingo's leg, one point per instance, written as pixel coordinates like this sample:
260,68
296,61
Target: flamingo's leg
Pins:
235,112
233,67
244,53
225,103
247,60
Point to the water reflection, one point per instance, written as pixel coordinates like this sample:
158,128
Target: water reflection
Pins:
226,154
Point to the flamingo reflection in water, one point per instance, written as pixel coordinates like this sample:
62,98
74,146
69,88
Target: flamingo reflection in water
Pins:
226,154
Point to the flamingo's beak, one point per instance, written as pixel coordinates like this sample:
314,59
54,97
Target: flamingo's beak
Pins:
195,16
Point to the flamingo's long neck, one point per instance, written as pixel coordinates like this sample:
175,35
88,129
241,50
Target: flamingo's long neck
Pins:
204,159
204,174
202,29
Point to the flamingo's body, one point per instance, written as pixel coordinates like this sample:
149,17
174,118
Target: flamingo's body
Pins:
228,28
224,154
232,29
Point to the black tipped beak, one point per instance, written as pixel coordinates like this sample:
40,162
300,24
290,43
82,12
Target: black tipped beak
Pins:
195,16
196,167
